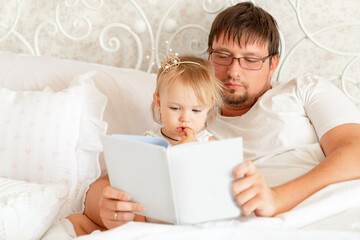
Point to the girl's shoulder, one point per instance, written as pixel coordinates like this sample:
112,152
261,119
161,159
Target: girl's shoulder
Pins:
154,132
204,135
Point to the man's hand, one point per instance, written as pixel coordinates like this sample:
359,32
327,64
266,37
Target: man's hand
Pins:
252,192
187,136
116,208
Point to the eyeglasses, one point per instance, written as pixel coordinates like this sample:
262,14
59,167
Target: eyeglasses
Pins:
247,63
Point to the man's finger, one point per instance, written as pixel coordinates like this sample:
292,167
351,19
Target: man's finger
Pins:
250,206
127,206
241,185
245,196
123,216
113,219
246,168
112,193
115,205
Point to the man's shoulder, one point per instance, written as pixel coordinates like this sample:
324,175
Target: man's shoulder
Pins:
303,82
303,78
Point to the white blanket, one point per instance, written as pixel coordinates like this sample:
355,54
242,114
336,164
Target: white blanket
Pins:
332,213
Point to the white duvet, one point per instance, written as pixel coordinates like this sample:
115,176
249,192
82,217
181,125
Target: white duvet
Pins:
332,213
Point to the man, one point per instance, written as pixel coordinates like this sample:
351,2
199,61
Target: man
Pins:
243,47
296,121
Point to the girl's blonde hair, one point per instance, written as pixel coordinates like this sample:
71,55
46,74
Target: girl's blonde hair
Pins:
196,73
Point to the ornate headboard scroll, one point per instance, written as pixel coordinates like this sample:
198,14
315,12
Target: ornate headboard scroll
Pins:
322,36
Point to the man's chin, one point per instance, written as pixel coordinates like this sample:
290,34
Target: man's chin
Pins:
236,101
234,96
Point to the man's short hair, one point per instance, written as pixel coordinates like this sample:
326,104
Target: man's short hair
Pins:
245,20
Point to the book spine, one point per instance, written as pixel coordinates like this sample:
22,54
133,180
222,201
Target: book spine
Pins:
177,219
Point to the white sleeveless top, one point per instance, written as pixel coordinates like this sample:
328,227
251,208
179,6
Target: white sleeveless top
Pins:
202,136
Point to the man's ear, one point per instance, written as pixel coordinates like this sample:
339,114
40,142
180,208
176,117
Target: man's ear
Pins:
156,99
274,64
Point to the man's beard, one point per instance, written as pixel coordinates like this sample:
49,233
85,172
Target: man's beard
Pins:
244,100
236,101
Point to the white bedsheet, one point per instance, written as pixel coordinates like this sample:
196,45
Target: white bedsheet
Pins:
332,213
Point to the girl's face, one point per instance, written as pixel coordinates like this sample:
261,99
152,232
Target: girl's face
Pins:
180,109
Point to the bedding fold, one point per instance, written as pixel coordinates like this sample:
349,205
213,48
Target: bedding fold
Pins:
335,201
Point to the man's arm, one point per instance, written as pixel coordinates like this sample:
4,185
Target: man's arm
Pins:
92,199
341,146
102,202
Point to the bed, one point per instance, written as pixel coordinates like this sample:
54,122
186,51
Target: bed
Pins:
73,70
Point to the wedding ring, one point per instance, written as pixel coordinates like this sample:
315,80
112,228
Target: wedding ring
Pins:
115,216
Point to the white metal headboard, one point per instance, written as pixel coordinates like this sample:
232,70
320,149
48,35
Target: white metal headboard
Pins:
318,36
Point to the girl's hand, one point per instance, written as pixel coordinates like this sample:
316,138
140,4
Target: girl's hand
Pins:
188,136
116,208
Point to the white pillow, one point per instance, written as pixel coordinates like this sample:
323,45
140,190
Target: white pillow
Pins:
27,210
129,91
50,135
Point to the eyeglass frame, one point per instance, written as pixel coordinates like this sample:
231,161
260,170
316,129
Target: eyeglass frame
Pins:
232,60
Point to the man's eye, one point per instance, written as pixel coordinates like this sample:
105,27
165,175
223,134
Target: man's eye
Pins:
222,56
251,60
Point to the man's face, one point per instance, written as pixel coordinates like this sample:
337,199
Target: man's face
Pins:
243,87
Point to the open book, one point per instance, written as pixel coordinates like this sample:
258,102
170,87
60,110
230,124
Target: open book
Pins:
182,184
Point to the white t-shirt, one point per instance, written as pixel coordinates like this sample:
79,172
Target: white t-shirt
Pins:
281,131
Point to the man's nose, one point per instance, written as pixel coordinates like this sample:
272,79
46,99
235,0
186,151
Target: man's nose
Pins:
235,70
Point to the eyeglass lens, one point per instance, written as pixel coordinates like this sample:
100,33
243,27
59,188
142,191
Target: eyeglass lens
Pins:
245,62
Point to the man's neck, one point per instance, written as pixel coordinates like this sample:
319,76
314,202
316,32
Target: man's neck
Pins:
229,111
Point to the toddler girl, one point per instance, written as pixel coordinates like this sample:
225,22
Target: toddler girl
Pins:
186,91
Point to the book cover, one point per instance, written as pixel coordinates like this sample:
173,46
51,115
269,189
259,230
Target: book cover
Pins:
182,184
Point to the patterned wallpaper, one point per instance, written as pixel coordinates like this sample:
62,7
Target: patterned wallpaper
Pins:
320,36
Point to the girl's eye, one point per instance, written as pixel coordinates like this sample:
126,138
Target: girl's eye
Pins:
174,108
196,110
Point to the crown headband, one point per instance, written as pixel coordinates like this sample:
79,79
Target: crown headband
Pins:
171,60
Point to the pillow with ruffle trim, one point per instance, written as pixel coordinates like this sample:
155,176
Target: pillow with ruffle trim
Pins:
48,135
